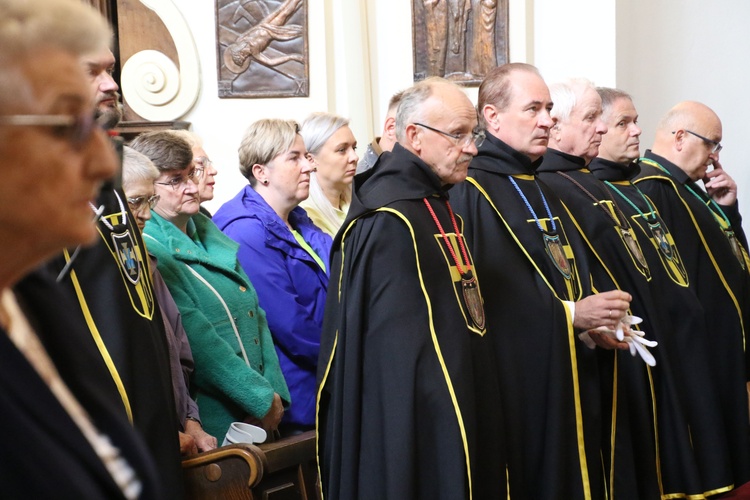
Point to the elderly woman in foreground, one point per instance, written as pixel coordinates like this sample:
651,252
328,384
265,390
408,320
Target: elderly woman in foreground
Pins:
61,439
237,375
284,254
138,176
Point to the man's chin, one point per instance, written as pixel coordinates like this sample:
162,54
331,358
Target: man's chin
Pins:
108,117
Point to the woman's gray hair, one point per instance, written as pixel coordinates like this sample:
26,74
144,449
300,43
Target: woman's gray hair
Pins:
318,128
68,25
136,167
29,26
264,140
565,95
168,152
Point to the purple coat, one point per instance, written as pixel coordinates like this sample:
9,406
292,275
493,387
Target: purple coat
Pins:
291,287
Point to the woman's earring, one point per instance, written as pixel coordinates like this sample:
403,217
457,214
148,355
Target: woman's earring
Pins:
265,182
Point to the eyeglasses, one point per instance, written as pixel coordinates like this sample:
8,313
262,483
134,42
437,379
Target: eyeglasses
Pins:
76,129
202,162
715,145
137,203
461,140
178,182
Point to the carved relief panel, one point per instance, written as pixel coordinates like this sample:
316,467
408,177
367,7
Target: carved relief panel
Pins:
262,48
461,40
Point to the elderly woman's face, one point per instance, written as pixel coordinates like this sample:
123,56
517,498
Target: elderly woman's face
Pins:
51,174
336,162
139,194
205,166
289,173
178,194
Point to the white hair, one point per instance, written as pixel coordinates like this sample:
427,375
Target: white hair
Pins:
565,95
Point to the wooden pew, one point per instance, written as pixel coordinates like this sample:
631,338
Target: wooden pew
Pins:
282,470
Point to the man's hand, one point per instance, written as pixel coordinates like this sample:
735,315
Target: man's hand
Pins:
720,186
203,440
605,341
187,444
601,309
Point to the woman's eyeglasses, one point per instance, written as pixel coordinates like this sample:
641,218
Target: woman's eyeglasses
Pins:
75,128
137,203
178,182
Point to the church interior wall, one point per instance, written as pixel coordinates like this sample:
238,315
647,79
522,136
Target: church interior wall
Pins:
360,54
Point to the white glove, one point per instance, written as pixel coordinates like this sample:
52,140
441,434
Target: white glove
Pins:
635,339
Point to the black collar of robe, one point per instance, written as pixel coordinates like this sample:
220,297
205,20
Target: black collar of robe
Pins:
375,188
557,161
675,171
497,157
608,170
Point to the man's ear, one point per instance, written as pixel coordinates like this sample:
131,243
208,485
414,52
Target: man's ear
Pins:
490,114
679,140
555,131
389,129
413,137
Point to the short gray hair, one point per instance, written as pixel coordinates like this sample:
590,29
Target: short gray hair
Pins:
565,95
168,152
610,96
318,128
264,140
411,109
28,26
136,167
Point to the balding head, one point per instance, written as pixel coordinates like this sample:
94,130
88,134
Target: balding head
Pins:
430,116
688,136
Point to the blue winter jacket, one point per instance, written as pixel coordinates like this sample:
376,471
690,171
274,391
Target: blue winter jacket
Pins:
291,287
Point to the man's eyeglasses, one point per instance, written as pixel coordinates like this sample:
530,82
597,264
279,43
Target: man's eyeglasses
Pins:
76,129
714,145
178,182
461,140
137,203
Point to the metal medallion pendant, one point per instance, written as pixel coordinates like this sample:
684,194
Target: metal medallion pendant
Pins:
472,299
634,247
555,251
736,248
658,233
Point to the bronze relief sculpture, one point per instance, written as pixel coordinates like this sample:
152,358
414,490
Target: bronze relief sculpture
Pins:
262,48
461,40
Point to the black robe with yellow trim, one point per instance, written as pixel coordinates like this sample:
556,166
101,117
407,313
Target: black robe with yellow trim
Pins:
107,299
691,465
722,284
408,405
652,395
549,379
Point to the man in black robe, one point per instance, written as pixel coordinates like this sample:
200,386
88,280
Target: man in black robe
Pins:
111,285
408,401
622,249
690,429
707,229
538,297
